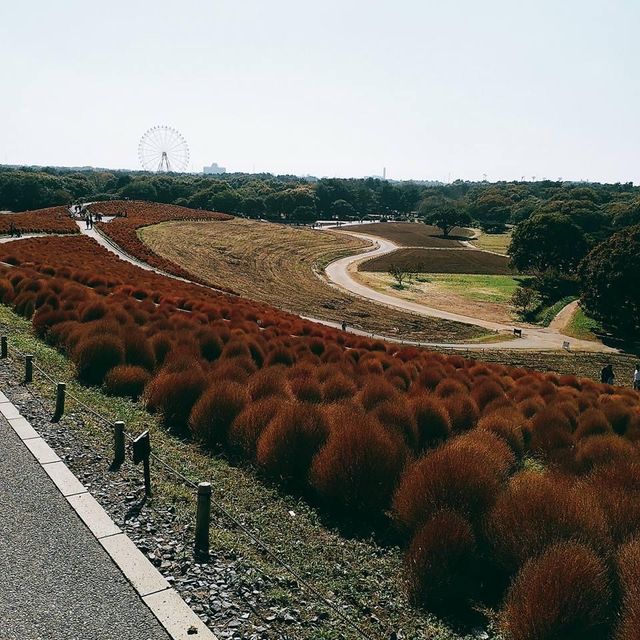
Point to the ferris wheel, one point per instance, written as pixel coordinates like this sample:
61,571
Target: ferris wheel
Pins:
163,149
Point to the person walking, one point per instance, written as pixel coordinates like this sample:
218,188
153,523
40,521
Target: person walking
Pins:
636,378
606,375
344,325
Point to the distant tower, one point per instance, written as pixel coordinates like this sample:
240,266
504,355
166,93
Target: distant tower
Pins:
384,173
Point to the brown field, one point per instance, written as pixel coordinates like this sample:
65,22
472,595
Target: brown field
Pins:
439,261
413,234
278,265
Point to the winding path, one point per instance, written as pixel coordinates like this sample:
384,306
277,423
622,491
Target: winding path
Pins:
338,275
539,338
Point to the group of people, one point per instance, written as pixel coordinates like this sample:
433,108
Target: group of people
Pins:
608,376
14,232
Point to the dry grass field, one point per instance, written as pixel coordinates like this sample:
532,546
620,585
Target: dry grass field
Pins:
440,261
412,234
277,264
498,242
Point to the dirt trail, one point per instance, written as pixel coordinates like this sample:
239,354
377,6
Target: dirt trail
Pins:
339,274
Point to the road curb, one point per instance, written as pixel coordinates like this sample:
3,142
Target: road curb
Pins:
173,613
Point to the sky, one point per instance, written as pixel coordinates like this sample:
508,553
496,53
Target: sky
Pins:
430,90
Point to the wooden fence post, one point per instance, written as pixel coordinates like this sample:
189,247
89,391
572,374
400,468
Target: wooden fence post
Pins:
61,390
203,515
28,368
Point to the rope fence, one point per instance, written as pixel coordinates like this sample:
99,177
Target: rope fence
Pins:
203,489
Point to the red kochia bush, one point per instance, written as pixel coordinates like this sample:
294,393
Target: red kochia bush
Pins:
446,478
174,394
94,356
562,594
605,449
628,565
539,509
287,446
432,420
214,412
249,424
592,422
356,471
463,412
438,563
126,380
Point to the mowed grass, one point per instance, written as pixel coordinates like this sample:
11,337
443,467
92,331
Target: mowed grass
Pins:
582,326
484,288
468,261
498,242
413,234
281,266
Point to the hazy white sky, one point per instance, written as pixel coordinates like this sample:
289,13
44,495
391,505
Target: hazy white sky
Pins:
431,90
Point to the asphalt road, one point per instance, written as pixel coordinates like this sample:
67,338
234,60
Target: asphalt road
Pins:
56,581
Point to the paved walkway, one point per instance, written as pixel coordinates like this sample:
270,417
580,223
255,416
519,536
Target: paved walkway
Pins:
56,581
538,338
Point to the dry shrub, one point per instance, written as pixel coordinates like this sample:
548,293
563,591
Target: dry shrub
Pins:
539,509
432,420
438,563
449,477
562,594
126,380
306,390
138,350
485,392
248,426
294,435
628,566
267,383
592,422
617,488
618,414
508,426
398,418
449,387
94,356
550,430
531,406
605,449
214,412
356,471
462,411
489,447
338,387
174,394
377,390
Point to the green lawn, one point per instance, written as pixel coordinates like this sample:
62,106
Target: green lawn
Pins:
497,242
582,326
482,288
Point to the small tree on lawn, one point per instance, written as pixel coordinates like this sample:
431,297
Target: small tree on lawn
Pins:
398,274
524,299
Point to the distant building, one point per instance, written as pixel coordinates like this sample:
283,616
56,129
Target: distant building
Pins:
214,169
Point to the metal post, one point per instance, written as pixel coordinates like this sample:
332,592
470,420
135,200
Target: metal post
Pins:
28,368
203,514
3,347
118,444
60,396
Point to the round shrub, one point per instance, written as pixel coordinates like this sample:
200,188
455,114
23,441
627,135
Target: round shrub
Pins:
462,411
398,418
628,566
95,356
356,471
539,509
592,422
446,478
287,446
563,593
249,424
432,420
604,449
214,412
126,380
438,563
173,394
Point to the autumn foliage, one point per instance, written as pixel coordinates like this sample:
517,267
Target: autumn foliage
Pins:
534,476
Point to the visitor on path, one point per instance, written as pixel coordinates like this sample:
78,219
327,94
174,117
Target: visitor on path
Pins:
607,376
344,325
636,378
12,230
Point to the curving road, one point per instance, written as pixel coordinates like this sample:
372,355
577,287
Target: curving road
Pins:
338,273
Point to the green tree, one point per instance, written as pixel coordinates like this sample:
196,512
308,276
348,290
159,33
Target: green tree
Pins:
447,217
304,215
341,209
547,241
609,282
491,211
